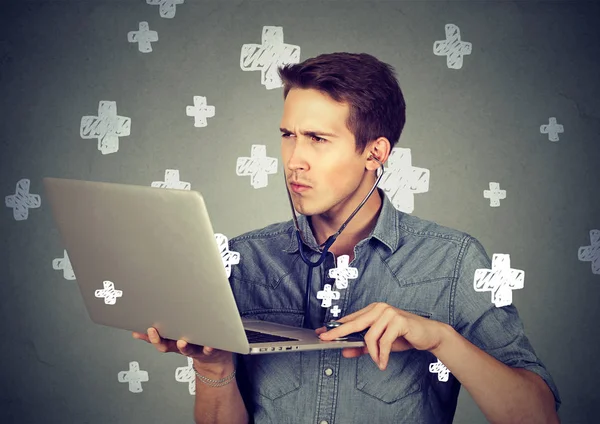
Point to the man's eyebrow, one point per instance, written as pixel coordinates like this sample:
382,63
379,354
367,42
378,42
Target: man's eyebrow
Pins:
310,133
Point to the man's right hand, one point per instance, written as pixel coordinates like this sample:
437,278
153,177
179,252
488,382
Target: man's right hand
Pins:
204,354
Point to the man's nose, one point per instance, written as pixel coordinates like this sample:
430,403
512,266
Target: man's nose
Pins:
297,160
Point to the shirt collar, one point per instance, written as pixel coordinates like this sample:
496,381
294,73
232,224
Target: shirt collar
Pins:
386,229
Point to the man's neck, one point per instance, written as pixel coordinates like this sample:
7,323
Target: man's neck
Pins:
358,228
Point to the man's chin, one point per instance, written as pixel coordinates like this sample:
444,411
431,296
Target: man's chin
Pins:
303,208
311,211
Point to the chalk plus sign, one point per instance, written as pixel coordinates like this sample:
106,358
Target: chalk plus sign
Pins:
143,37
266,57
21,201
500,280
186,375
107,127
229,257
494,194
452,47
167,7
64,264
441,370
342,273
134,377
591,253
258,166
108,293
200,111
172,181
401,180
552,129
335,311
327,295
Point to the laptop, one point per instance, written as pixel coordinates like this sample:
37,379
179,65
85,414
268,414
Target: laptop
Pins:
147,257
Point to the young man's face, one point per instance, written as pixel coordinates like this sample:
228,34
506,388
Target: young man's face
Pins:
319,152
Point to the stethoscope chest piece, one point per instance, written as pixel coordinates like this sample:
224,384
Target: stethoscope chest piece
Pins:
330,325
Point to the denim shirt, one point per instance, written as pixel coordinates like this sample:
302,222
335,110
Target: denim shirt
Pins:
410,263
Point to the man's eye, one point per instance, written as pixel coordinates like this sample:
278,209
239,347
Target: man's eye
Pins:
312,137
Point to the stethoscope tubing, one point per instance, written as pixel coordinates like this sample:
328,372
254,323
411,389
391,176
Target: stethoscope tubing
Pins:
330,240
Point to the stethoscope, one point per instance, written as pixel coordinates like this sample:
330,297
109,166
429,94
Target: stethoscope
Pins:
327,244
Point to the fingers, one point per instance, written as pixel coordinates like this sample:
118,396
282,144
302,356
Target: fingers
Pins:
372,339
189,349
382,334
353,352
355,322
385,343
387,329
177,346
357,314
344,329
162,345
140,336
208,351
349,325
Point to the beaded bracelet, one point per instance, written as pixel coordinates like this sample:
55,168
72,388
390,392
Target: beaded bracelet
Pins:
215,383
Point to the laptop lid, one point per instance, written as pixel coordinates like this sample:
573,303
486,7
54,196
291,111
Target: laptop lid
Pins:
145,256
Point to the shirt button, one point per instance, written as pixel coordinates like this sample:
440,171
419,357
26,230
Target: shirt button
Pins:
328,372
323,422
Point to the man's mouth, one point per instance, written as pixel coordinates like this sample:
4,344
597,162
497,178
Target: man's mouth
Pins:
298,188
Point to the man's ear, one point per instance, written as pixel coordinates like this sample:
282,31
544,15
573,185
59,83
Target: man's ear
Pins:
381,149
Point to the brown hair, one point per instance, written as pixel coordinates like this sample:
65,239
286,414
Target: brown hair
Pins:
369,86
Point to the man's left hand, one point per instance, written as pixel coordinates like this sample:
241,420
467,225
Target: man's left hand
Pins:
391,330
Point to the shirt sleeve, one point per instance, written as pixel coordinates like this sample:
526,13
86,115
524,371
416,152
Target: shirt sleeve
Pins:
496,330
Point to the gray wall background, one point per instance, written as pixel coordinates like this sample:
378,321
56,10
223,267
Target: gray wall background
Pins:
530,61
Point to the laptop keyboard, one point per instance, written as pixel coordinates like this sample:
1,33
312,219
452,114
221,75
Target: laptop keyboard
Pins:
256,337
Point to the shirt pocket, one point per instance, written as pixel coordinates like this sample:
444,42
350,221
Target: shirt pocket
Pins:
274,375
402,377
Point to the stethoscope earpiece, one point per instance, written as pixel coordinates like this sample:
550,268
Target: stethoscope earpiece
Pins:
380,169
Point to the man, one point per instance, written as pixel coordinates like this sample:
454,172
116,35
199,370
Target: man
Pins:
414,293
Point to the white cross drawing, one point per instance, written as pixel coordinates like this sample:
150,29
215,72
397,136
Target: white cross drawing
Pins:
107,127
343,272
401,181
186,375
327,295
172,181
108,293
269,55
22,201
258,166
134,377
452,47
229,257
64,264
167,8
144,37
335,311
441,370
591,253
552,129
500,280
494,194
200,111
